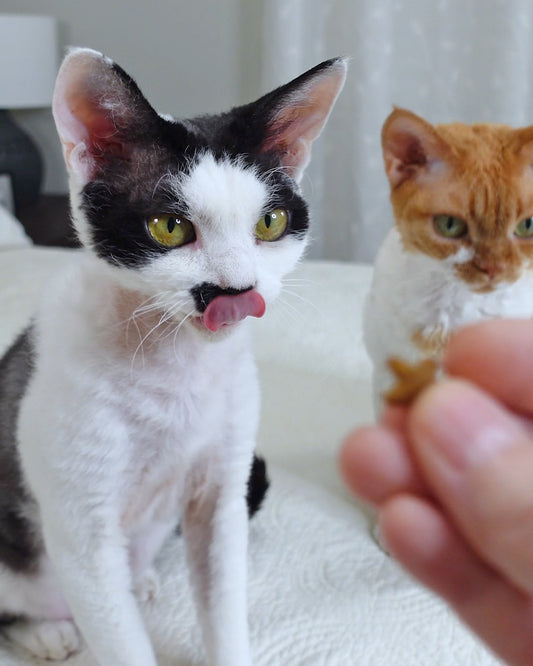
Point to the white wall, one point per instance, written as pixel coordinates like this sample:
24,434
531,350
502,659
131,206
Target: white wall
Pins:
188,56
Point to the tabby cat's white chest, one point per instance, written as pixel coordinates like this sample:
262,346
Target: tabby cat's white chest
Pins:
416,301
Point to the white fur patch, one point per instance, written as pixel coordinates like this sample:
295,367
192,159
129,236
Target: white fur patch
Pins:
412,292
148,422
225,201
462,256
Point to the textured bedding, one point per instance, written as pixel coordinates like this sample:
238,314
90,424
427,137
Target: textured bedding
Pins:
321,593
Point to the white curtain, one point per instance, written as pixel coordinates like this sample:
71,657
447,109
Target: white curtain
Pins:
447,60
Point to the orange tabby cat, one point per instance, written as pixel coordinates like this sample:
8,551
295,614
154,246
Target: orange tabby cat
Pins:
461,248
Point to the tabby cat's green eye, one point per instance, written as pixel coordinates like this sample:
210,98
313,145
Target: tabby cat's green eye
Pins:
524,229
272,225
450,226
171,230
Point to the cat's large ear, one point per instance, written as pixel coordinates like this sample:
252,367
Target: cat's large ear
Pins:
523,143
294,115
411,147
99,112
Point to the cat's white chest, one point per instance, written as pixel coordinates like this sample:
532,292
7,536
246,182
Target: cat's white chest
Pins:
415,298
133,430
172,426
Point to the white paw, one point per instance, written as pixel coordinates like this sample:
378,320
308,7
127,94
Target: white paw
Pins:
147,587
47,639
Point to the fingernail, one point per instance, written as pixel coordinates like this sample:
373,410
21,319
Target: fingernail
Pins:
463,425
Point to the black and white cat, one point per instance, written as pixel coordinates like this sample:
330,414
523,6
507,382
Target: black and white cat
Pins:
131,403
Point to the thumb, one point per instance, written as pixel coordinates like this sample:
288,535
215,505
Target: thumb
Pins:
478,459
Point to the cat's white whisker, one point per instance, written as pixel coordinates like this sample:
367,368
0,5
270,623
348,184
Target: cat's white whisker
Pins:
171,322
298,282
178,327
306,301
290,310
159,183
145,307
140,346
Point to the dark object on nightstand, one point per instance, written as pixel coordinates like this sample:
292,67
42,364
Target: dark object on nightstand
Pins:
47,222
29,67
20,158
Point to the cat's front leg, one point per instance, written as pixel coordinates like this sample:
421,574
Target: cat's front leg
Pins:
215,528
93,567
431,340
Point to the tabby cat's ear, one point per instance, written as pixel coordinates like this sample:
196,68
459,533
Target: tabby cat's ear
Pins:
523,142
286,121
411,147
99,112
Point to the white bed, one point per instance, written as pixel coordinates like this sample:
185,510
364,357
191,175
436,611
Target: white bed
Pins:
321,593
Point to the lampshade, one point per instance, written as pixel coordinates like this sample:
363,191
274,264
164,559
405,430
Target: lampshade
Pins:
29,60
29,57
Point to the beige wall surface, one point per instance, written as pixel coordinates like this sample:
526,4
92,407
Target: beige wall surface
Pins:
188,56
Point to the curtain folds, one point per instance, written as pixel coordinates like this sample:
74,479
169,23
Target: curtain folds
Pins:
447,60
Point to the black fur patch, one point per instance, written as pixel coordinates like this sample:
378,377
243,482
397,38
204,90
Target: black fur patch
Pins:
19,549
125,192
120,201
118,205
7,619
204,293
258,484
256,488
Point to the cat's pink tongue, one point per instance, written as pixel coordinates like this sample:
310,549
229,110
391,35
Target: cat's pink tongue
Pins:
225,310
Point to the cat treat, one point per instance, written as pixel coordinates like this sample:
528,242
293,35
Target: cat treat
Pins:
461,246
130,404
411,380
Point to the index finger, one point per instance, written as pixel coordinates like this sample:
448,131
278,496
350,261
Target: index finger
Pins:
496,355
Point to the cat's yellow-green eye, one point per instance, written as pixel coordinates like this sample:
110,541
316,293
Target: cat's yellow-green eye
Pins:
524,229
171,230
272,225
450,226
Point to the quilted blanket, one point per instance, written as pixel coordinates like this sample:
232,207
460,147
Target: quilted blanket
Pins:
321,592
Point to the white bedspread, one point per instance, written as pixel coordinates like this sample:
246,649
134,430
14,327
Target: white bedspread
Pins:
321,593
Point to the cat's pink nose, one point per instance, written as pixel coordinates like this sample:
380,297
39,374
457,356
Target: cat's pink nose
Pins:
491,268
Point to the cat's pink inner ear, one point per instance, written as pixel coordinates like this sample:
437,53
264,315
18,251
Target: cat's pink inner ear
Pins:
301,119
524,144
85,122
411,147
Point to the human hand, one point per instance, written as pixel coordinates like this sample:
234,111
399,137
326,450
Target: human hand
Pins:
452,478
